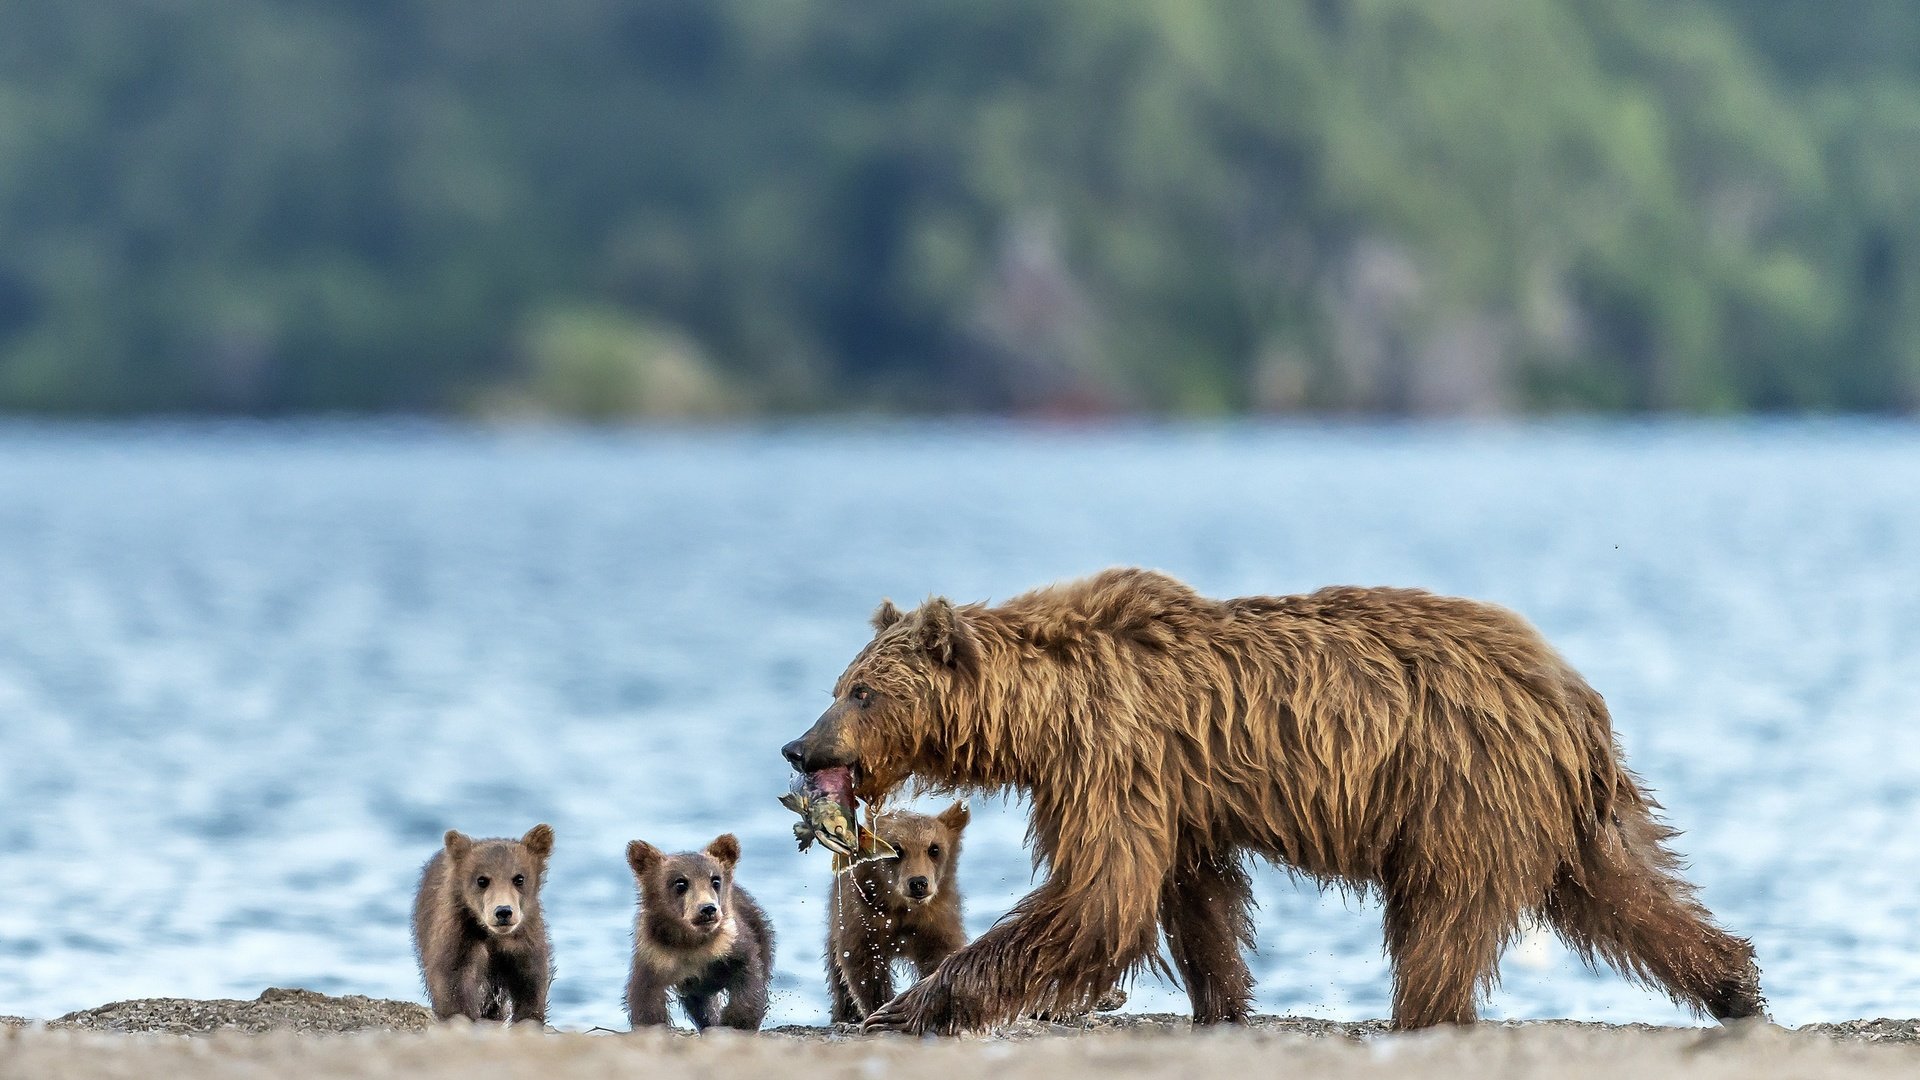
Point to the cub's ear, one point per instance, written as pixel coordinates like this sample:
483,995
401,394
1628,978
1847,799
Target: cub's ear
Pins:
725,849
459,844
955,817
885,615
539,840
946,637
642,856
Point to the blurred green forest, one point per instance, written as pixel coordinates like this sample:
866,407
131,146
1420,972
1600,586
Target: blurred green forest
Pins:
670,208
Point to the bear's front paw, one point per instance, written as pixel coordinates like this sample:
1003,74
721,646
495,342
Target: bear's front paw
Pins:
923,1010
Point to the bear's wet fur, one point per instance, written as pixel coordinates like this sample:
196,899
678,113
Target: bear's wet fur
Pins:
907,908
1434,751
477,928
698,937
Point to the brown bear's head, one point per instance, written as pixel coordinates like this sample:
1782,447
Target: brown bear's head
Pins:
498,881
686,899
886,719
929,847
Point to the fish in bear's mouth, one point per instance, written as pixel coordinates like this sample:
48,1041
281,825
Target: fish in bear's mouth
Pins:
837,783
828,811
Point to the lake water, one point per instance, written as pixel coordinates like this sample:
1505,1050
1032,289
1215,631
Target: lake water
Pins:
249,674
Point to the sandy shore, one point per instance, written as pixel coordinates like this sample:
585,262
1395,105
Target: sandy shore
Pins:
297,1033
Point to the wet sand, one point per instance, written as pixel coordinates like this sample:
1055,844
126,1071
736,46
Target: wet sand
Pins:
298,1033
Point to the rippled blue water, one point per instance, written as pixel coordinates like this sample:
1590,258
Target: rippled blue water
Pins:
248,674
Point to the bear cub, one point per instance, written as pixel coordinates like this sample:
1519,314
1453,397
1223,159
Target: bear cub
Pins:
477,929
906,908
697,937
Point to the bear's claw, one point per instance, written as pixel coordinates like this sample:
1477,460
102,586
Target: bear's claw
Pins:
918,1010
893,1018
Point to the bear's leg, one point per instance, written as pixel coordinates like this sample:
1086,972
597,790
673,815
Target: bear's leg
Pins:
844,1011
1203,909
478,996
746,1003
1062,946
443,990
702,1009
526,988
866,973
930,945
495,998
1628,905
1444,938
646,998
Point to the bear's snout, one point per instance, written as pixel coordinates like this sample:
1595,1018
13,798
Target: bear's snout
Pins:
706,913
918,888
795,754
822,746
503,915
805,755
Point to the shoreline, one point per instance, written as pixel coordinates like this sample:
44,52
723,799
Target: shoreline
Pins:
308,1012
299,1033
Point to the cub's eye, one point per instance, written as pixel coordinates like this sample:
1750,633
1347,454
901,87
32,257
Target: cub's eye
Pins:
862,694
933,851
519,881
679,885
483,881
716,883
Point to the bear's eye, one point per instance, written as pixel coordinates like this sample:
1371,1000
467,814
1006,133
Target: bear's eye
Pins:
716,883
519,881
933,851
679,885
482,881
861,694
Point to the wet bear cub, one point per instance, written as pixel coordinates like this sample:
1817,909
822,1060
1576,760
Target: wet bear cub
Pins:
697,937
477,928
906,908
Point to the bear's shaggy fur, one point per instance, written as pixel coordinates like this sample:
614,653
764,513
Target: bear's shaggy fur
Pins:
699,937
1433,750
895,909
477,928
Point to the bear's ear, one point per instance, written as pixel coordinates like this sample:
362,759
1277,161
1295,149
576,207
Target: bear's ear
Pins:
955,817
945,636
539,840
725,850
885,615
459,844
642,856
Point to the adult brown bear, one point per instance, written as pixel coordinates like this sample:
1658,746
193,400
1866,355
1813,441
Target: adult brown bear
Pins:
1432,749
